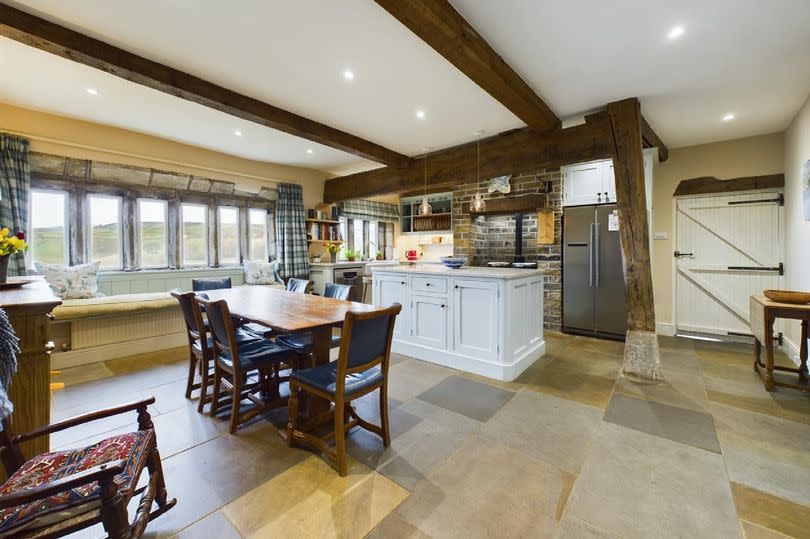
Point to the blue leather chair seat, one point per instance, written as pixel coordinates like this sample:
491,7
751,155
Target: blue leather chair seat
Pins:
302,341
324,378
255,354
260,330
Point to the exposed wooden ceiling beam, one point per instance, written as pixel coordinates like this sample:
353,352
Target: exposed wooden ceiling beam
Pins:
651,140
522,150
439,25
64,42
709,184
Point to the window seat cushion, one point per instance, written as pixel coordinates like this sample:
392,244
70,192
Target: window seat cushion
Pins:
72,309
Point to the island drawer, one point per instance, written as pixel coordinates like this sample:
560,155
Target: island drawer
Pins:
436,285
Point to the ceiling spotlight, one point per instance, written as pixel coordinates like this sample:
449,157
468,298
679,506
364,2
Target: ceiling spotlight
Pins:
348,74
92,91
238,133
420,114
309,151
675,32
728,117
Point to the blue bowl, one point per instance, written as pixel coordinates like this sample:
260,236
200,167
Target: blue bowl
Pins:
454,262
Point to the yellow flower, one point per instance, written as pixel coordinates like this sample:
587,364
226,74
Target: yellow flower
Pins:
3,232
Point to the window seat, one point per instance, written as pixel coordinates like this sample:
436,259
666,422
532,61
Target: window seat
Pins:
73,309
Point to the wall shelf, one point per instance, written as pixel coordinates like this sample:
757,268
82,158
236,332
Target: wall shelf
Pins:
513,204
322,221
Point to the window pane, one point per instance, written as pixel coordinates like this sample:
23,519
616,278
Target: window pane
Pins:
257,220
373,240
228,235
195,234
105,231
48,228
153,233
357,244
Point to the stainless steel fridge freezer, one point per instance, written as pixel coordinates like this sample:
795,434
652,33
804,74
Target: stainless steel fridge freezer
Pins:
594,301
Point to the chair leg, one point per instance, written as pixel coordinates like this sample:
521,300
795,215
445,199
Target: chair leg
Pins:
215,392
155,468
205,380
292,412
236,400
192,366
340,439
384,414
113,510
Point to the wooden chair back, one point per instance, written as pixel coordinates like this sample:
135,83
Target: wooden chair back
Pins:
299,286
337,291
365,343
222,331
210,283
192,314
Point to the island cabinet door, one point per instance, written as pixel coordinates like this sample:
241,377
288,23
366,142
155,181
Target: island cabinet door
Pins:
390,289
429,321
475,318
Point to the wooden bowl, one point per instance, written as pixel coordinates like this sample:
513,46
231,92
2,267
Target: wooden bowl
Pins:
787,296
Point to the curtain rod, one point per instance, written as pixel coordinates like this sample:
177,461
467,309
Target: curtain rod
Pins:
138,156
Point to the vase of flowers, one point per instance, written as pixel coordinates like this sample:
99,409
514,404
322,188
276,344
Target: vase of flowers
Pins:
9,245
332,249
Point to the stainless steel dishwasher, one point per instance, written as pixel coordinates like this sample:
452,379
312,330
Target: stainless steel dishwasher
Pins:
352,276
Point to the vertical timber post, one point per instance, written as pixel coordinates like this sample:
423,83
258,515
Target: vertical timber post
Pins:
642,360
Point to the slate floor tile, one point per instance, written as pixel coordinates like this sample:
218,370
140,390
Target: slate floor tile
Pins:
771,512
475,400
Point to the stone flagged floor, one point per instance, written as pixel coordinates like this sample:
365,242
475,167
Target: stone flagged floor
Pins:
569,450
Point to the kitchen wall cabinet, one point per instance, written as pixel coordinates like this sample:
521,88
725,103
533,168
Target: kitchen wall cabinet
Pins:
595,183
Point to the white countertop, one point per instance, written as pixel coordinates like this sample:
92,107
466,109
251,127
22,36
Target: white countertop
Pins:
466,271
355,263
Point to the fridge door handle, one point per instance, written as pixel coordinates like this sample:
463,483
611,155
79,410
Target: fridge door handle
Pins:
590,256
596,254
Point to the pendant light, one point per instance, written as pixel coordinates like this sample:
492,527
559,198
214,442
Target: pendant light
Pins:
477,204
424,207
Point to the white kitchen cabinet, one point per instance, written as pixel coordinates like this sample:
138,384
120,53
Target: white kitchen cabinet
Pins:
595,182
390,289
429,321
475,318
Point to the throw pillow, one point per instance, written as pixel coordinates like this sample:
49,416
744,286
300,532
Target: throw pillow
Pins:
262,272
73,282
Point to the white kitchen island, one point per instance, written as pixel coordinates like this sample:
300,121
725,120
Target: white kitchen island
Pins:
487,321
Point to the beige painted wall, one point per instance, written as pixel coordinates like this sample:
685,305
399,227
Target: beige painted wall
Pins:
85,140
797,236
725,160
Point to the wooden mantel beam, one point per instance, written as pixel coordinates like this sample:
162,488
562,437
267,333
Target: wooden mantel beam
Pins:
50,37
522,150
439,25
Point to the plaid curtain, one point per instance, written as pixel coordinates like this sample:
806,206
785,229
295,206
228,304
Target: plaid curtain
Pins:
291,232
368,210
15,184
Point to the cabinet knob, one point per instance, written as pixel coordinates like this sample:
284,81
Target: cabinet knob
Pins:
442,305
402,282
427,284
455,286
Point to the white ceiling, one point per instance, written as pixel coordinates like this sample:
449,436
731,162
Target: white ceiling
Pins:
747,57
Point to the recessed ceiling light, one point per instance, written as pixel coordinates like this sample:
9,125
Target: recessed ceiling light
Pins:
420,114
348,74
238,133
309,151
92,91
728,117
675,32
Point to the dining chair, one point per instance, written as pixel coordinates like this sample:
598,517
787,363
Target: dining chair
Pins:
210,283
361,367
299,286
234,361
200,345
303,341
61,492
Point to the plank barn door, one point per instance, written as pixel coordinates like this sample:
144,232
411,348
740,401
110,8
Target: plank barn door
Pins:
727,248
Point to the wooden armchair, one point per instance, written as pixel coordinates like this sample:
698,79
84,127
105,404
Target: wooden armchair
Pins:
58,493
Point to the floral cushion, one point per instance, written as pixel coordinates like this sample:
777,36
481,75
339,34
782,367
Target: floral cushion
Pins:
73,282
133,448
262,272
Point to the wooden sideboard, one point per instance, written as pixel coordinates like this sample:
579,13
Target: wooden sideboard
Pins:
28,308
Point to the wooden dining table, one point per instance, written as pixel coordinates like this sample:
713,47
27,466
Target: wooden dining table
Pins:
291,312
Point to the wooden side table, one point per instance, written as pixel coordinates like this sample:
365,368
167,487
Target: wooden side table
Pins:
763,314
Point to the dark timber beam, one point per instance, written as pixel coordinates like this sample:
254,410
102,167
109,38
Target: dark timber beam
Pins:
641,359
439,25
522,150
47,36
652,140
708,184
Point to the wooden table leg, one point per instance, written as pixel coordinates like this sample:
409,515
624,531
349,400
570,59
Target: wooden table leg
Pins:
803,354
757,352
769,385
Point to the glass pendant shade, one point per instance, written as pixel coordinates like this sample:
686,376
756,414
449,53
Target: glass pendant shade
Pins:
424,207
477,204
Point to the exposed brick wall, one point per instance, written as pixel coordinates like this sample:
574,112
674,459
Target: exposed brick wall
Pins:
485,239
